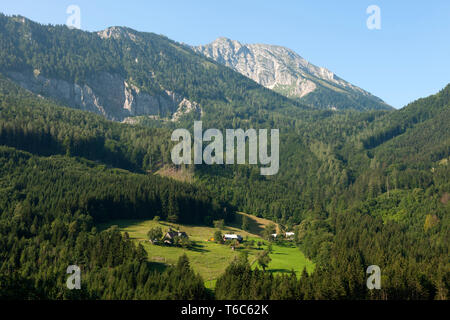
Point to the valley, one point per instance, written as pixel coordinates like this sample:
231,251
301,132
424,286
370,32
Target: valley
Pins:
86,172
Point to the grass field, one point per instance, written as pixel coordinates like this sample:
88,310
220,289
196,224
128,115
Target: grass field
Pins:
182,175
209,258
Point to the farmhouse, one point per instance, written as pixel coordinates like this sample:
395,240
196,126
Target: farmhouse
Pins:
232,237
171,234
290,234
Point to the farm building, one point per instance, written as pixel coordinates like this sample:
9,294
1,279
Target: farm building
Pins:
232,237
290,234
171,234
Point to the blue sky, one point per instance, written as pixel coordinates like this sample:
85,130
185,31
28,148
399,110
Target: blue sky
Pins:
407,59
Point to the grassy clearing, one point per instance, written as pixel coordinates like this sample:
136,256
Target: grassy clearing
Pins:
287,258
209,258
183,175
256,225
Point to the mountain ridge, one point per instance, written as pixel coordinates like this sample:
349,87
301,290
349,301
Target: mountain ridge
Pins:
285,71
146,74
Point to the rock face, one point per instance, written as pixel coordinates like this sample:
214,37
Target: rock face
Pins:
280,69
117,33
109,95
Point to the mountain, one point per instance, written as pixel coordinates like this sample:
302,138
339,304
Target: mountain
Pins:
358,188
121,73
284,71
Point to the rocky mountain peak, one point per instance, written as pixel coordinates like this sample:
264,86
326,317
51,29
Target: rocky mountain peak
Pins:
117,33
285,71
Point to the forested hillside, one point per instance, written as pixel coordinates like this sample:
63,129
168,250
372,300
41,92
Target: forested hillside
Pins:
358,188
393,212
53,196
349,209
40,126
49,208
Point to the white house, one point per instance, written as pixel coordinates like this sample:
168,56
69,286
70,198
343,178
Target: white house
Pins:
290,234
232,237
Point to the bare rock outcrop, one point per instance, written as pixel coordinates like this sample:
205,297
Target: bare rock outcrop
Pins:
276,67
107,94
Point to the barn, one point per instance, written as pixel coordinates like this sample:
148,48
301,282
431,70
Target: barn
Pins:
171,234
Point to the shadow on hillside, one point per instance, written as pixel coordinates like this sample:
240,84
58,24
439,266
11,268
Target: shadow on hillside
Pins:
279,270
197,248
157,266
254,226
120,223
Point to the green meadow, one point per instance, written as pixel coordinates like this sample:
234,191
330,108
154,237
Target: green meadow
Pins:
208,258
